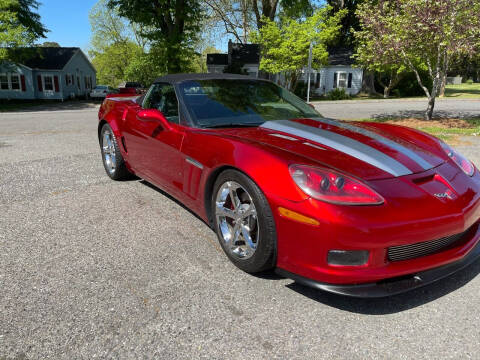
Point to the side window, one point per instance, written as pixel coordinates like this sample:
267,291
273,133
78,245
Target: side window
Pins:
162,97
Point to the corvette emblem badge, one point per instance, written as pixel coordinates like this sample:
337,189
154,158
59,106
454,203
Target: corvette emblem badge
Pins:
446,195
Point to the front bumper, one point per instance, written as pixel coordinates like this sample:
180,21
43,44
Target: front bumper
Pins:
392,286
410,216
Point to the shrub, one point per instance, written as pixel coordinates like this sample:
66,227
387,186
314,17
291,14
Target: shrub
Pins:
470,81
337,94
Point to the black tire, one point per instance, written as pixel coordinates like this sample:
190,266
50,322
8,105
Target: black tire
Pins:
264,257
119,171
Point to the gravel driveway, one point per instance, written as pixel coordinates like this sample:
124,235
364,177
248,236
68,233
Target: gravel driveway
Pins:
404,108
91,268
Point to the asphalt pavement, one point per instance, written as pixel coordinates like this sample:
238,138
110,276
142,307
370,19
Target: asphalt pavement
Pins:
96,269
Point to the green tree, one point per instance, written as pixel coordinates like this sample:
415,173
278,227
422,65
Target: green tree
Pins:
19,25
285,45
113,61
117,47
50,44
421,34
169,24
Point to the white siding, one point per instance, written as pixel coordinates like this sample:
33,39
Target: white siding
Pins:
215,69
327,77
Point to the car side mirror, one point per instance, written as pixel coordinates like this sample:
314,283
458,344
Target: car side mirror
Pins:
153,115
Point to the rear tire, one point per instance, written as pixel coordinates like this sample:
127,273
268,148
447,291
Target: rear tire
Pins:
112,157
244,222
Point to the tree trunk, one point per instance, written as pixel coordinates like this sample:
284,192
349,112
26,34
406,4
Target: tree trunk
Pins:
433,95
431,106
386,92
444,75
442,85
368,83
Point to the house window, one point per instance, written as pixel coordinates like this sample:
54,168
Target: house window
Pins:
10,82
47,83
4,82
15,81
317,80
342,80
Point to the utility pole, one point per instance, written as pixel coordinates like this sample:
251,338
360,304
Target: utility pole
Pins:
309,72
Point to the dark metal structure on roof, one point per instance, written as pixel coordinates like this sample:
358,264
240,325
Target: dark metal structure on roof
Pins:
177,78
217,59
237,53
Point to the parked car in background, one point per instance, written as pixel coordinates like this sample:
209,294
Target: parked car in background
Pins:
131,87
101,91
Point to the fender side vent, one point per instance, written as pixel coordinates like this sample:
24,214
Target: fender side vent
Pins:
123,144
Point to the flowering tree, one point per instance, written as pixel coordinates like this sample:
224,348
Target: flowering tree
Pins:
420,34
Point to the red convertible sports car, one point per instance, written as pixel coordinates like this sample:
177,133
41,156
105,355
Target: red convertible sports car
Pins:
355,208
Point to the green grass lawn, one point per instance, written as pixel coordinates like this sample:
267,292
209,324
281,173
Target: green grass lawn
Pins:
463,91
442,131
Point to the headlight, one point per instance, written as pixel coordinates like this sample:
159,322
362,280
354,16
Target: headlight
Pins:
459,159
333,187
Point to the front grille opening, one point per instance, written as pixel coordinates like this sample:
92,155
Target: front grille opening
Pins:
413,251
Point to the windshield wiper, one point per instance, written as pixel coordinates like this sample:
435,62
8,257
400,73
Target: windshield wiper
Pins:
229,125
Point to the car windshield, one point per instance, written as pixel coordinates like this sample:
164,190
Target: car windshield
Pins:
222,102
100,87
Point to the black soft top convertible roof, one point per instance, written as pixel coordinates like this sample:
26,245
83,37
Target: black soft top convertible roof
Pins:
176,78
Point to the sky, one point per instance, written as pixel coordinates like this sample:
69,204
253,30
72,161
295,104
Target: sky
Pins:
67,21
69,26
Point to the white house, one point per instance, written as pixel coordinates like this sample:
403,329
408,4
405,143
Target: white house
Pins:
47,73
340,72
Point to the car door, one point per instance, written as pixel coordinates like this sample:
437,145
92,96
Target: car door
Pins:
155,145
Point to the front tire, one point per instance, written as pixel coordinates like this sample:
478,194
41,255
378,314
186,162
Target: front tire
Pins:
111,155
244,222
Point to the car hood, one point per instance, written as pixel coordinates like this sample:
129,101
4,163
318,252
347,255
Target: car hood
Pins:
369,151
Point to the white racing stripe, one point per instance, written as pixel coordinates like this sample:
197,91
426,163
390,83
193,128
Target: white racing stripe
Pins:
341,143
381,139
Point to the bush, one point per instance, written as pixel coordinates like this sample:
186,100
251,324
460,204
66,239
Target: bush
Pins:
337,94
470,81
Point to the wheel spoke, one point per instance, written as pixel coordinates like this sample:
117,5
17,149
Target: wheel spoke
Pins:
233,197
235,235
251,211
248,239
223,211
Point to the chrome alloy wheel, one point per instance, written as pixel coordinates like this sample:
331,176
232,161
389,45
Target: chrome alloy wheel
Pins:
108,148
237,220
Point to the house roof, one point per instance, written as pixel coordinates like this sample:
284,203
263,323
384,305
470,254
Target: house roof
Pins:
340,56
245,53
250,54
217,59
46,58
177,78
